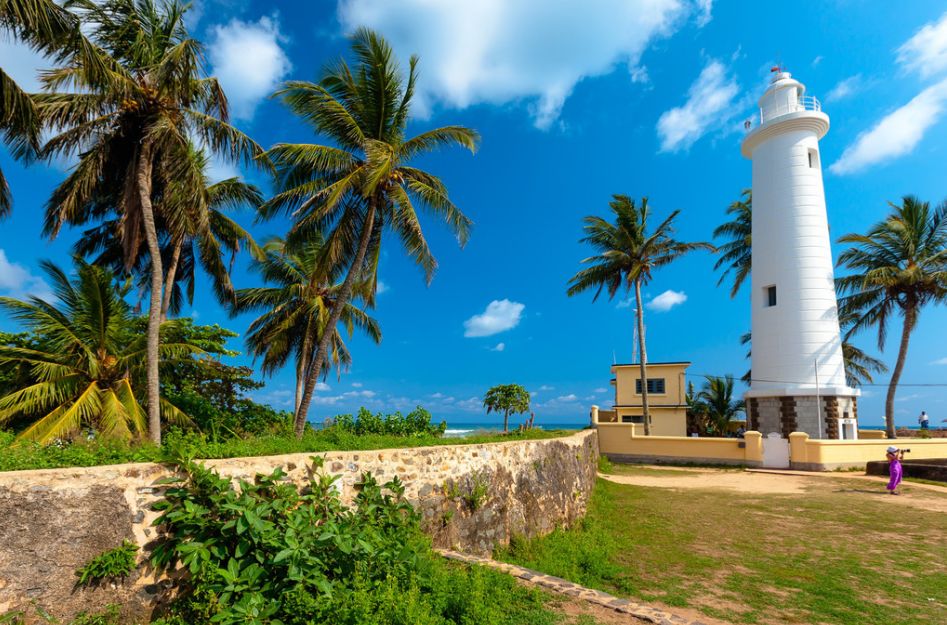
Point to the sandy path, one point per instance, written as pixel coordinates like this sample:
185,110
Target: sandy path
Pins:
920,496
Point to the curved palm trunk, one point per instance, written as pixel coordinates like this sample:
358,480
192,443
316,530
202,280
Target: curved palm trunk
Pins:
143,182
302,368
642,359
169,281
334,315
910,318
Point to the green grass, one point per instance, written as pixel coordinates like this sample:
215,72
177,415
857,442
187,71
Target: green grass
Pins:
829,557
634,469
15,457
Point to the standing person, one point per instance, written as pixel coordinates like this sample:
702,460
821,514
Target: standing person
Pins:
894,456
924,420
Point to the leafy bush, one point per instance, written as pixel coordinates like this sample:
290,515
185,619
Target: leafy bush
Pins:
110,565
604,464
268,552
111,615
415,423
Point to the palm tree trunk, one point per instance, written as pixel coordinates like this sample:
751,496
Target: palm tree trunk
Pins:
642,360
910,317
169,281
143,181
334,315
302,368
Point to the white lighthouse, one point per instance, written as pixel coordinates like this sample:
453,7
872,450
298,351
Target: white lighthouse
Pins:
798,375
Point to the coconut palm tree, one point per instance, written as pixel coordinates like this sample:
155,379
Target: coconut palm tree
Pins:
128,122
362,183
717,404
87,362
196,232
46,27
898,267
627,253
298,307
736,253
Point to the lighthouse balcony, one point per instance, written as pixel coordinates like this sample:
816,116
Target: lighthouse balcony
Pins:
804,103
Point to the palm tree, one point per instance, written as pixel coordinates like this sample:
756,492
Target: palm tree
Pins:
44,26
718,405
128,122
736,253
627,254
508,399
362,183
87,362
899,266
189,203
298,307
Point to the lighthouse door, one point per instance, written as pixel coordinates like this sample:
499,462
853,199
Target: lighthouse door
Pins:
775,452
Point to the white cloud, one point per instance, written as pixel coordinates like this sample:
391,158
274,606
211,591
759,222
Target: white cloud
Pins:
248,59
897,134
471,404
600,390
501,51
17,281
845,88
499,347
357,385
381,287
941,361
926,52
322,387
710,104
567,398
546,387
817,60
666,301
500,315
705,7
625,303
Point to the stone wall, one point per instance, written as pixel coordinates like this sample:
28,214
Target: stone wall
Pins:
53,521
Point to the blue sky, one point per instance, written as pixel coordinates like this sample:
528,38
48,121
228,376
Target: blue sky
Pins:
575,101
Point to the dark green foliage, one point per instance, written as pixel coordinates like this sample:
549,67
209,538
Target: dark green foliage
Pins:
111,565
269,552
415,423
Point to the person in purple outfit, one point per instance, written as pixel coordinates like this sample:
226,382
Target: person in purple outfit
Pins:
895,470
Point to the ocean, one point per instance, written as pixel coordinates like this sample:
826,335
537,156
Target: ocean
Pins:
458,428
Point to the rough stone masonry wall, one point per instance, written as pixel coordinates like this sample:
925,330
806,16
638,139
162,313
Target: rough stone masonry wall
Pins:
53,521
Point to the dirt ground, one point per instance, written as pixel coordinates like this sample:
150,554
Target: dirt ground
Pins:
762,482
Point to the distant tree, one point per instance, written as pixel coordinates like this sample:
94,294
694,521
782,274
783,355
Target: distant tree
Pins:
627,254
718,403
508,399
362,182
87,361
898,267
696,411
736,254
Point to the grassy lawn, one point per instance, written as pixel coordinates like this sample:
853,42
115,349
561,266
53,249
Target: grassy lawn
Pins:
827,557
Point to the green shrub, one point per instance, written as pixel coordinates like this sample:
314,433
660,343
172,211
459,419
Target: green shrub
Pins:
111,565
268,552
605,465
415,423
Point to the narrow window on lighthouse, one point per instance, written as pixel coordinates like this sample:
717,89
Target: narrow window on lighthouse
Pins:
770,299
813,159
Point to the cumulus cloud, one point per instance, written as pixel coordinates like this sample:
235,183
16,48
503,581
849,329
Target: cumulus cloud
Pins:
499,347
249,61
567,398
845,88
926,52
666,301
500,316
704,9
897,134
710,104
532,51
17,281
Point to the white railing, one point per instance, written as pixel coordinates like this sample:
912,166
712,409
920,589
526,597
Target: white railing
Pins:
805,103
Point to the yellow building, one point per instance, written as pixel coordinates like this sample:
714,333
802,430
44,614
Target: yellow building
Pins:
667,388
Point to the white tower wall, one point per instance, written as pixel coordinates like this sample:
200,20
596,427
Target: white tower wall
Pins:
796,348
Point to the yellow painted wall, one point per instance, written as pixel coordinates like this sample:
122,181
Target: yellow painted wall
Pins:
825,455
674,384
628,440
664,421
866,435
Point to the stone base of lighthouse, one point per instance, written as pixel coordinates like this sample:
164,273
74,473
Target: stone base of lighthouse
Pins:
785,414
